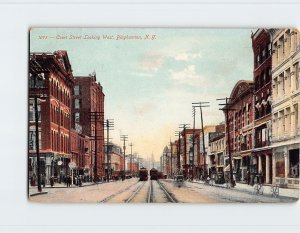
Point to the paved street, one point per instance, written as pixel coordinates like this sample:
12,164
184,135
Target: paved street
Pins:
162,191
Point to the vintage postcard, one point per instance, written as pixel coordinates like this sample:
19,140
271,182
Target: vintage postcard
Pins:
163,115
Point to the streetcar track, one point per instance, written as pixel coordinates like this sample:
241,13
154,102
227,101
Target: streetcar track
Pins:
167,193
132,196
117,193
150,193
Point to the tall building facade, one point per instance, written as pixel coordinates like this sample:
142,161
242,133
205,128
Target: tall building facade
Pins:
285,105
88,119
53,74
241,120
262,151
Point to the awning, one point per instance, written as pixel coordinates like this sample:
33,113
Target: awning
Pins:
246,154
237,157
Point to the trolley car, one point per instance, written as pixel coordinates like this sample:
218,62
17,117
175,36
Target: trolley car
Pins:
143,174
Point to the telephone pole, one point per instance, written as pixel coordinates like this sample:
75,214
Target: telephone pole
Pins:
130,160
94,118
184,127
193,146
226,109
109,124
202,105
124,138
36,92
171,150
178,133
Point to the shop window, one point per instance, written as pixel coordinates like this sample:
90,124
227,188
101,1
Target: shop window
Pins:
294,163
280,164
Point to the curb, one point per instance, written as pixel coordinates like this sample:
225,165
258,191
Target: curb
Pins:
36,194
245,190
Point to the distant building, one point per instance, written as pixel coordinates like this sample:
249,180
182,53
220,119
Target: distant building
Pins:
217,151
117,160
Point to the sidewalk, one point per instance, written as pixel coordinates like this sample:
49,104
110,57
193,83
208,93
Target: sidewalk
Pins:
33,189
283,192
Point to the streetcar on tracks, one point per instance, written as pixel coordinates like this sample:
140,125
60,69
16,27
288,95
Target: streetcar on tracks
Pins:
153,174
143,174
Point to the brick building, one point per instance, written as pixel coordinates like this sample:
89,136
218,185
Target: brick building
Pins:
80,153
88,118
55,84
262,152
241,121
117,160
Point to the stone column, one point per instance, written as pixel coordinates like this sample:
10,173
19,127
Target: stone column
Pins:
293,121
292,42
293,79
267,168
286,163
259,164
273,166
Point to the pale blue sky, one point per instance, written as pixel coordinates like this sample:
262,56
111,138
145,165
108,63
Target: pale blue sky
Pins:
150,85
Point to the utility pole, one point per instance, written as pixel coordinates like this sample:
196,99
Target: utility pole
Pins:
36,91
130,160
184,127
226,109
202,105
124,138
193,154
109,124
96,117
178,133
171,150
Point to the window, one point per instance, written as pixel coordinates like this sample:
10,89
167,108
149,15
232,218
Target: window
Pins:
77,90
263,135
77,103
77,117
269,49
32,111
263,54
297,71
268,75
32,138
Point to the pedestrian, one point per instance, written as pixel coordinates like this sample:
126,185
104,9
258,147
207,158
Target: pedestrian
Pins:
43,181
68,179
52,181
234,180
248,177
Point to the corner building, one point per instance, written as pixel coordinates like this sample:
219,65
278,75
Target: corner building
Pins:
54,113
285,106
